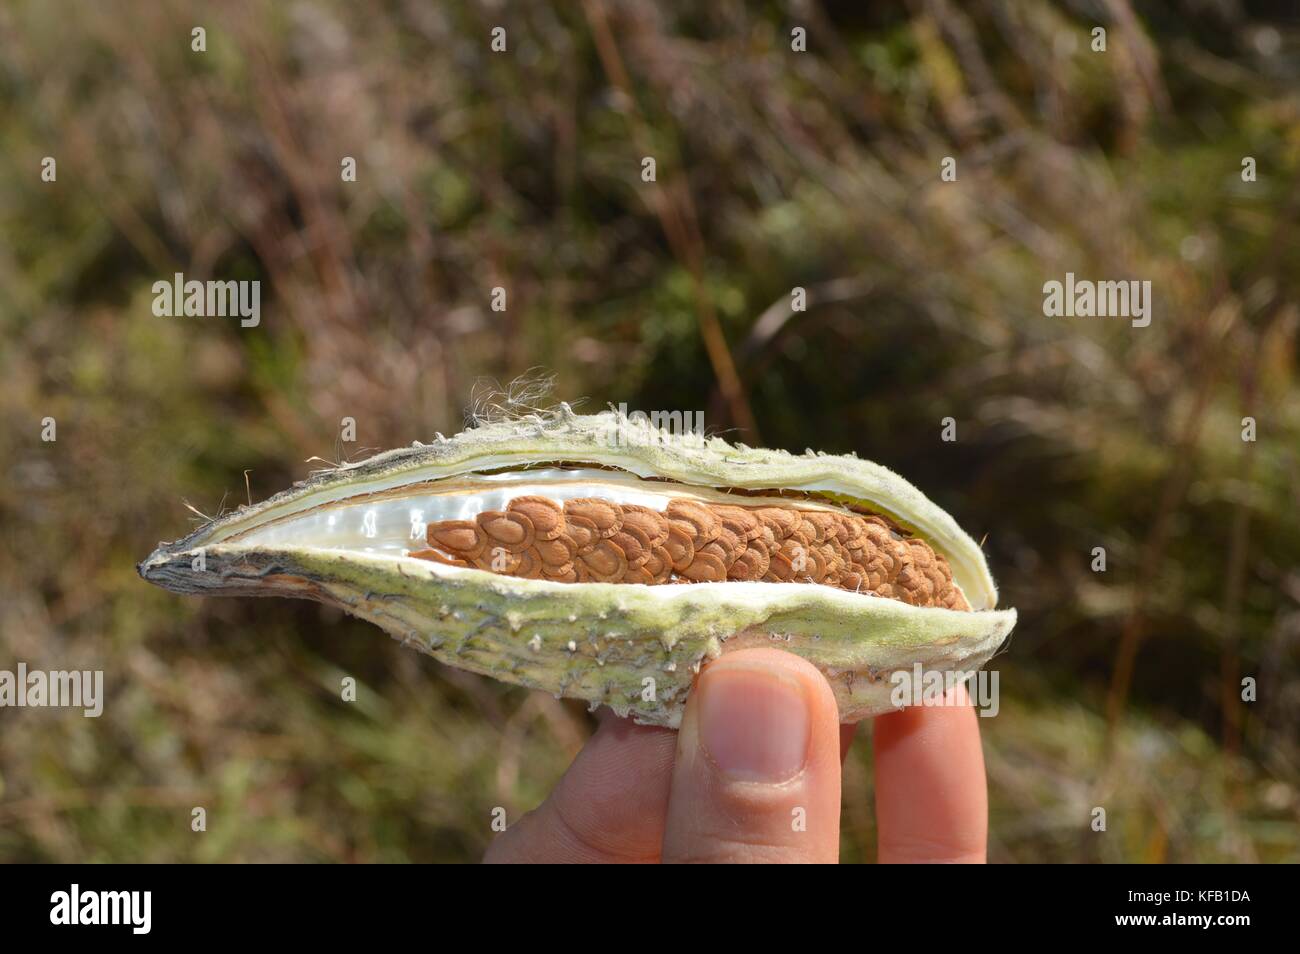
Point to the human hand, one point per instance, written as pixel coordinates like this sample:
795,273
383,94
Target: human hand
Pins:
759,750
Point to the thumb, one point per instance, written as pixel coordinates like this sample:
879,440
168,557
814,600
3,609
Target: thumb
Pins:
757,773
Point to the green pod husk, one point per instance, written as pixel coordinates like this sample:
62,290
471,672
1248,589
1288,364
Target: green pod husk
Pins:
633,647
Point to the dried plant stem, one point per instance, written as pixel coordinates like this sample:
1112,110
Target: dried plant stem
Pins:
676,214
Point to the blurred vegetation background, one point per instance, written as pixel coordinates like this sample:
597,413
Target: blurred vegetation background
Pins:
775,169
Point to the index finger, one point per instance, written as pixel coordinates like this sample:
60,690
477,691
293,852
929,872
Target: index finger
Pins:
931,792
609,807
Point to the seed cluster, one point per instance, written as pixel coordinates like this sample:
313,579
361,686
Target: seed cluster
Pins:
593,540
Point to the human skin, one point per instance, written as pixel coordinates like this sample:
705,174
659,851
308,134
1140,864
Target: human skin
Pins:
753,775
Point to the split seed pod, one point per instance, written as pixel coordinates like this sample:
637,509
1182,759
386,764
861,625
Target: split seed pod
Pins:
544,552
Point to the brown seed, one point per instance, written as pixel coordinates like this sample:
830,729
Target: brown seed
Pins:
680,549
546,515
835,564
938,582
816,569
806,533
514,531
706,526
827,526
752,564
727,555
581,531
634,543
650,522
782,522
779,569
740,522
606,561
912,586
530,564
556,552
768,535
891,553
498,559
560,574
684,527
461,536
855,533
659,565
606,516
730,541
798,555
438,557
877,572
639,574
847,529
922,555
706,568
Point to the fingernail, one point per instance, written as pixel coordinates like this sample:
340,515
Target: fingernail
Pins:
753,722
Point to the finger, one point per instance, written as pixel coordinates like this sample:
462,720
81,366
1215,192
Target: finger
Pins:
757,775
608,807
931,794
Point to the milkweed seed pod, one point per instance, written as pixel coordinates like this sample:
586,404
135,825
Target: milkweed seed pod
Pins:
601,560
